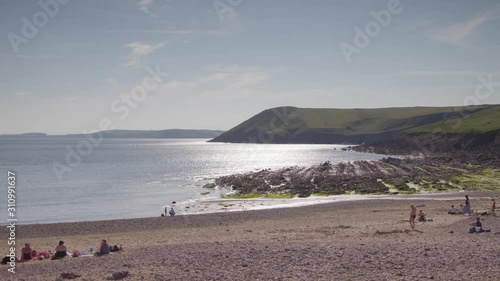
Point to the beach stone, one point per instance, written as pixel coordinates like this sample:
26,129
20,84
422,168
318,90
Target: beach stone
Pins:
118,275
69,275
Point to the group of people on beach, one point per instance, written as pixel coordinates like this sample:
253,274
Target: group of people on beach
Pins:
28,254
466,210
421,217
171,212
413,216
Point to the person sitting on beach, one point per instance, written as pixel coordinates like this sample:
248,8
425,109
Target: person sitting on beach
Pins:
27,253
104,249
61,251
172,212
476,226
421,216
453,210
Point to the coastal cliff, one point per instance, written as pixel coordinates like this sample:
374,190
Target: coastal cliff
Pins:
437,149
359,126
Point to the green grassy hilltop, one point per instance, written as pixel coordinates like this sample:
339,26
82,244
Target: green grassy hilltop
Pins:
323,125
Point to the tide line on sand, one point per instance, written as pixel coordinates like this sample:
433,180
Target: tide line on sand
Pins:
217,205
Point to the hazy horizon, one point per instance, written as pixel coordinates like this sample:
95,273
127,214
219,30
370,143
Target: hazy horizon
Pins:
458,108
78,133
160,64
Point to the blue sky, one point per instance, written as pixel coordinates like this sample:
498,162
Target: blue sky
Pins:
228,64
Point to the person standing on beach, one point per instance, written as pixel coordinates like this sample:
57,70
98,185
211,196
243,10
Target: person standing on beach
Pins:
493,206
413,215
467,206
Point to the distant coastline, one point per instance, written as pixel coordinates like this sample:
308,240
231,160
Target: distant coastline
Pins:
156,134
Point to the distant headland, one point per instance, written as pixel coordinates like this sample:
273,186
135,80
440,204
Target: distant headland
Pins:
155,134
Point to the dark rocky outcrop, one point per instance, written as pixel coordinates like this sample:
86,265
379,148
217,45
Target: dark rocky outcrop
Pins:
362,177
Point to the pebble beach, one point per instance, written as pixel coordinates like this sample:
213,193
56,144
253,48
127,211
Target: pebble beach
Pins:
349,240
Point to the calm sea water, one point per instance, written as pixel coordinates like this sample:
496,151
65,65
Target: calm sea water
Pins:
131,178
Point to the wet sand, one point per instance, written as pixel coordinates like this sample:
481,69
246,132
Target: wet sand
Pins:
351,240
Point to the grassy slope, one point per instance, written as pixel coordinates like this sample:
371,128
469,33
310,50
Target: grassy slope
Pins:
353,122
481,122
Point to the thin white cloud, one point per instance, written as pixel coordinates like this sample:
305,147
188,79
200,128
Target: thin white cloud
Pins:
175,84
456,33
144,6
22,95
164,31
139,50
209,32
229,82
444,73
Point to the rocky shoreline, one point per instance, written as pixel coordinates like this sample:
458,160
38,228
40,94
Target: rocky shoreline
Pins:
450,162
389,175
